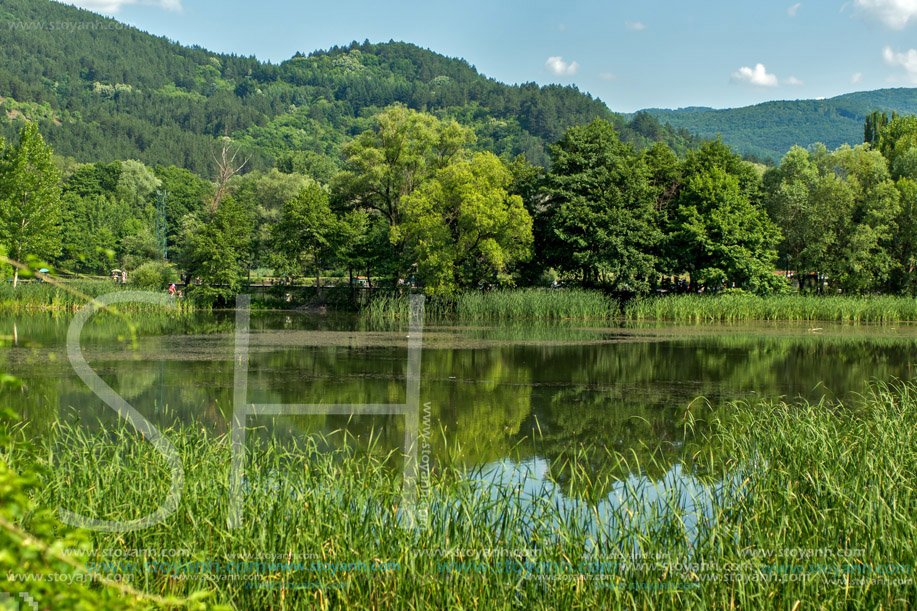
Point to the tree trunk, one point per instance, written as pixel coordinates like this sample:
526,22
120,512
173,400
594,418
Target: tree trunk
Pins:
15,277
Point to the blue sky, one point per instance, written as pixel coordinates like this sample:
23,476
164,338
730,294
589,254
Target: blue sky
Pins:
657,53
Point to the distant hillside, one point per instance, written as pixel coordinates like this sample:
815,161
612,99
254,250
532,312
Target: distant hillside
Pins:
104,91
768,130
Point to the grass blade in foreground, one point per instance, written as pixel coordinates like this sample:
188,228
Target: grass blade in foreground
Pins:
815,504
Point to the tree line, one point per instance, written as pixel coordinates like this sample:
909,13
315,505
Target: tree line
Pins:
113,93
417,202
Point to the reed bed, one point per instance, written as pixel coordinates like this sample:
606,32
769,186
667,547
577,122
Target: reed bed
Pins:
69,295
735,308
543,304
814,503
499,305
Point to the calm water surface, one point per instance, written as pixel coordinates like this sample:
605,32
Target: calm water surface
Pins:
514,398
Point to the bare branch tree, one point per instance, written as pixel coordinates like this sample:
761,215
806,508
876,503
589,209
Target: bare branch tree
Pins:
226,168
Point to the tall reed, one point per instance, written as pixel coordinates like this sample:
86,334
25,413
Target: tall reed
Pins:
504,304
732,308
794,502
69,295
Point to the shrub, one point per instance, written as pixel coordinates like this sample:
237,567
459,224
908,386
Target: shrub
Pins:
154,275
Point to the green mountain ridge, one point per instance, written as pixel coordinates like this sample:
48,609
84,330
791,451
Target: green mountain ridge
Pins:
103,91
770,129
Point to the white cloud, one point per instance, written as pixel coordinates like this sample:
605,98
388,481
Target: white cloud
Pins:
562,27
895,14
638,26
114,6
792,81
755,76
856,78
908,61
558,66
607,76
793,9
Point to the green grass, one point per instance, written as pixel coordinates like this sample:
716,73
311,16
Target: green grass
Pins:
509,304
782,478
731,308
69,295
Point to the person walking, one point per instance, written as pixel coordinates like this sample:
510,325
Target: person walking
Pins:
172,290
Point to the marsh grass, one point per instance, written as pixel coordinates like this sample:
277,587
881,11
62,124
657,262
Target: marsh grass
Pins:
501,305
581,304
70,295
732,308
819,477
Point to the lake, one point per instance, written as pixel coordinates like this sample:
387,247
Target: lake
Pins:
506,398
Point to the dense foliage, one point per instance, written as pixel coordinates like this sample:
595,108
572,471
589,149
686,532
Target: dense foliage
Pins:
766,131
416,204
105,92
396,166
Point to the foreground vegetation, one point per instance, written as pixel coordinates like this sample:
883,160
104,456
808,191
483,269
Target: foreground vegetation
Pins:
834,506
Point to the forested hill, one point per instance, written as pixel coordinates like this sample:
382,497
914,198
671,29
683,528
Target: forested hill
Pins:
770,129
103,91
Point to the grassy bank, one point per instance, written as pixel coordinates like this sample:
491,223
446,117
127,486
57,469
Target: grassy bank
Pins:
69,295
514,304
815,503
578,304
735,308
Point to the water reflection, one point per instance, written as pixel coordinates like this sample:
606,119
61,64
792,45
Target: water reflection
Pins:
534,393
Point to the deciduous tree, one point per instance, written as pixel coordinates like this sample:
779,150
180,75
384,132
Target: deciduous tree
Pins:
463,227
30,199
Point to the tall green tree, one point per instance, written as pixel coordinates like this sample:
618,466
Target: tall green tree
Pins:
897,141
303,238
188,194
842,216
387,163
863,260
601,217
216,249
463,227
30,199
717,232
872,127
795,200
136,185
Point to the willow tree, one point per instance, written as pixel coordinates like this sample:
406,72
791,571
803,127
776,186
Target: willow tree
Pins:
386,164
463,227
